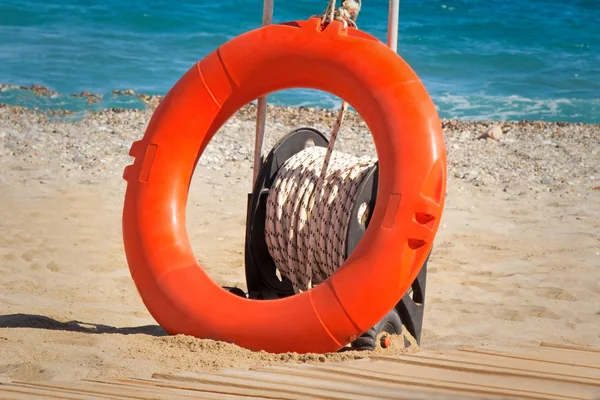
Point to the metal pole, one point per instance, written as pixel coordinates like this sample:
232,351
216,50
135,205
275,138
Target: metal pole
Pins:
261,109
393,11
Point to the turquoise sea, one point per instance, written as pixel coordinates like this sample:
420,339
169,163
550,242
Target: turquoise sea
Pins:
500,60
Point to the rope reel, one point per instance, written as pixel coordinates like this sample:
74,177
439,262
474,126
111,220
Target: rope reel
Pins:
308,212
291,223
307,223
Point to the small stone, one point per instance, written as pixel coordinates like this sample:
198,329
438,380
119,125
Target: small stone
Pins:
78,158
472,175
494,132
547,181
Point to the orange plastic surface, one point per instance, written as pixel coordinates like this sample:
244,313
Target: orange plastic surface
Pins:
386,342
412,187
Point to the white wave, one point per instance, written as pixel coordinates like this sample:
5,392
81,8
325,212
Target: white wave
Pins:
516,107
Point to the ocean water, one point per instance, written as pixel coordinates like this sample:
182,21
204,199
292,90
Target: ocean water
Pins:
499,60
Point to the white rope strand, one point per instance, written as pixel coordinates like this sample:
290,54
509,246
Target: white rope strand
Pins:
347,13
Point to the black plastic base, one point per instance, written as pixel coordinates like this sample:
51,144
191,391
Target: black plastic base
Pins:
407,314
261,272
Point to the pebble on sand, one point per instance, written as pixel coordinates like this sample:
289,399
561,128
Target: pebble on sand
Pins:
494,132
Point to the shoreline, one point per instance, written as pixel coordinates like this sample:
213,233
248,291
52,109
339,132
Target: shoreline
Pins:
151,101
305,116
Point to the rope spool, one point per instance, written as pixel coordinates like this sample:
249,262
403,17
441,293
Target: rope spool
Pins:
308,213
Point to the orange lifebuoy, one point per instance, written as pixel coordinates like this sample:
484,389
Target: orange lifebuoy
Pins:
408,138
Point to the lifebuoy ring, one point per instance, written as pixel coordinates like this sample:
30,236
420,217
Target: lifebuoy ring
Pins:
410,146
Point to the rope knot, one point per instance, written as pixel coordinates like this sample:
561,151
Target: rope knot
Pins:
347,13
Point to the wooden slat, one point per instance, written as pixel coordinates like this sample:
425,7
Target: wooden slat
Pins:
526,361
481,364
33,392
7,395
409,388
423,384
203,392
364,389
264,388
206,390
139,389
20,396
476,382
167,392
576,373
549,354
105,390
570,347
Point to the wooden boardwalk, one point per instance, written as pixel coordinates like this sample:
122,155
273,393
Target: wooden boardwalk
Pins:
546,372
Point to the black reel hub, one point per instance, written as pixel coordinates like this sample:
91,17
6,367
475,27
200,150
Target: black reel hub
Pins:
261,273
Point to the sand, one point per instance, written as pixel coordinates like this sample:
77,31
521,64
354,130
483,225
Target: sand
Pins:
516,260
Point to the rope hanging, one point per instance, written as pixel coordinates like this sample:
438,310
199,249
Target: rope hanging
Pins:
308,213
347,13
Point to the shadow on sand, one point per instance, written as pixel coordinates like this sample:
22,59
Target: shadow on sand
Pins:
42,322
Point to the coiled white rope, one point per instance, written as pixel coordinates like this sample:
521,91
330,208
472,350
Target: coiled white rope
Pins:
347,13
308,214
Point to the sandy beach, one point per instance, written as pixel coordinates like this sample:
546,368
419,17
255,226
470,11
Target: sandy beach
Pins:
516,259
